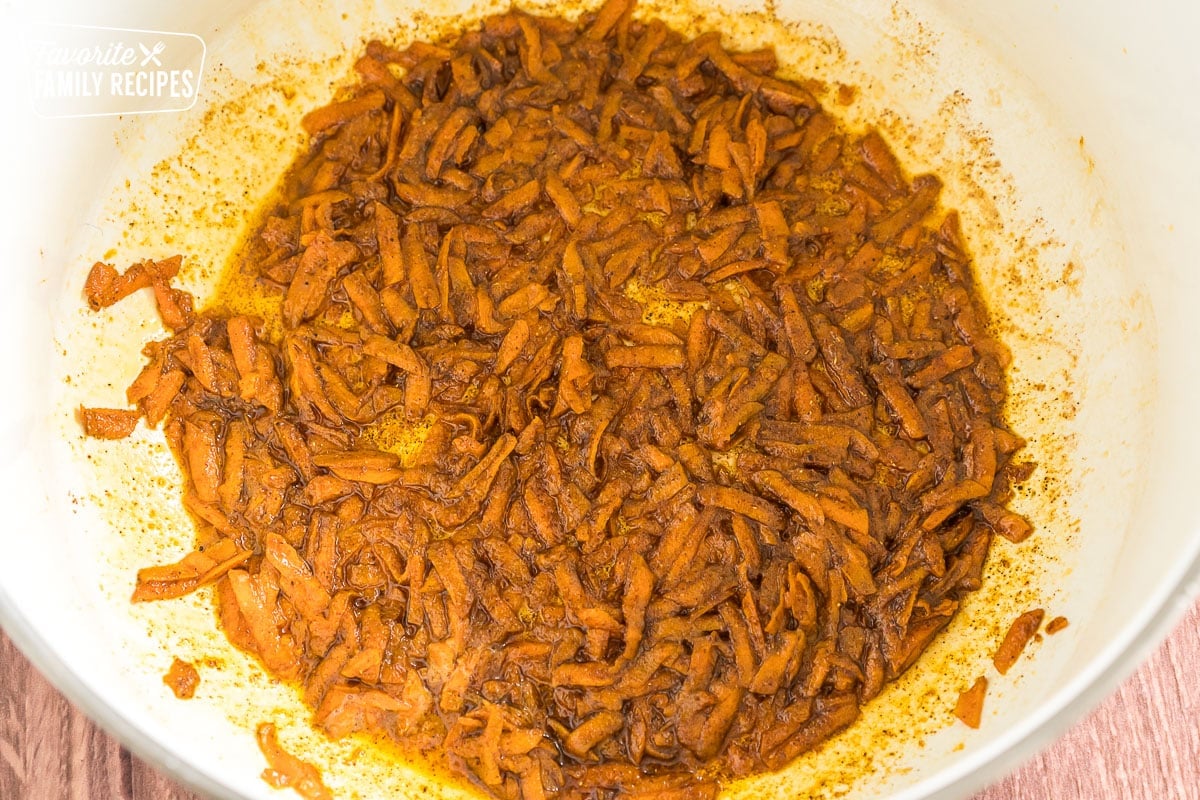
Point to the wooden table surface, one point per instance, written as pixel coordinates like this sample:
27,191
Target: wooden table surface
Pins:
1142,744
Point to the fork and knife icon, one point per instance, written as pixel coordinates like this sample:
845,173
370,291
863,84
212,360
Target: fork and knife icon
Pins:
151,55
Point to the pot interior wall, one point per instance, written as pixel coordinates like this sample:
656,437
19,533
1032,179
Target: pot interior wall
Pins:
1048,205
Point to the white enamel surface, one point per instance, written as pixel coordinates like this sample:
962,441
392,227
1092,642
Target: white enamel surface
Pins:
1088,110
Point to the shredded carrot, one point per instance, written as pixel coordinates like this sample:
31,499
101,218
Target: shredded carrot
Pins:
182,678
1022,630
969,708
285,771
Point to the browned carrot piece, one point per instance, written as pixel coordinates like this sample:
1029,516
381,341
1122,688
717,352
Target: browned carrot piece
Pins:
563,199
105,286
645,356
514,202
943,364
592,731
607,17
969,707
319,266
1019,634
741,502
108,423
363,465
317,122
285,771
804,503
182,678
418,269
174,305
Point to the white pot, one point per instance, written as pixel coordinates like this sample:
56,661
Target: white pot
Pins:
1066,133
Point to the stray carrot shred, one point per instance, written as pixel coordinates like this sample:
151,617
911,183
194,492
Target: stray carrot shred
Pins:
969,708
1019,634
108,423
183,679
285,770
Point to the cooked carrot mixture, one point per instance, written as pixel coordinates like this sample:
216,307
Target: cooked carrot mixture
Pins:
182,678
969,708
1019,633
1056,625
627,424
